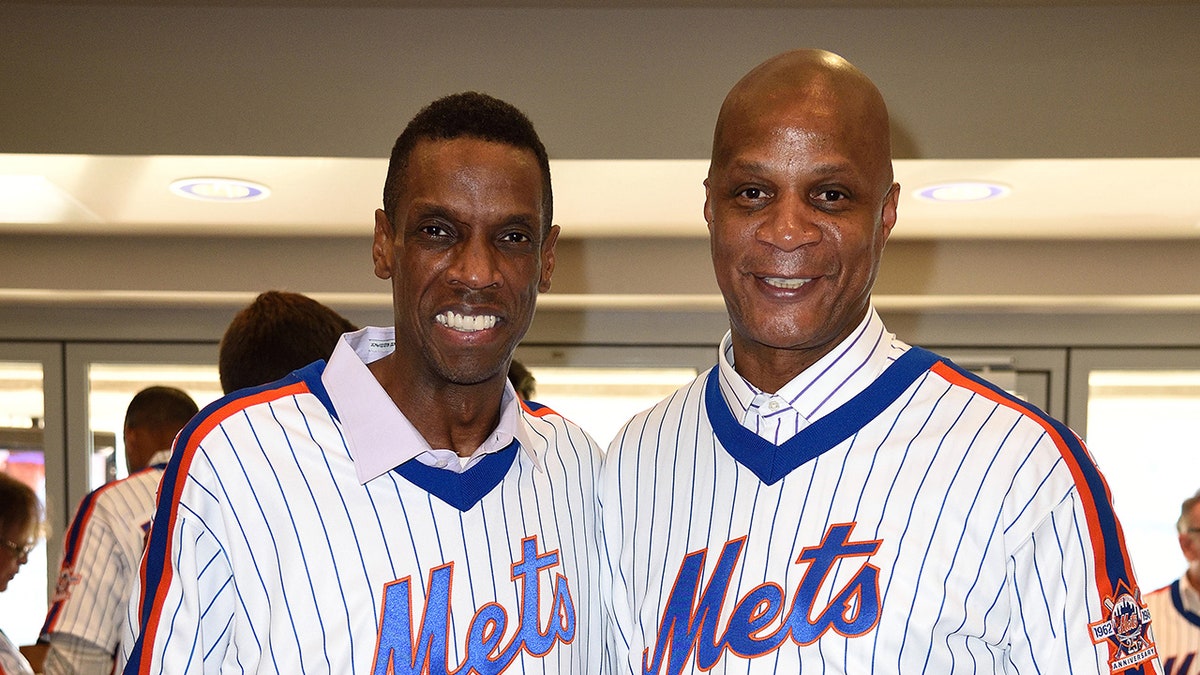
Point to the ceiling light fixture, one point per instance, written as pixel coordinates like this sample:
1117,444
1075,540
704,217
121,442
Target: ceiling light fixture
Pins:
220,189
963,191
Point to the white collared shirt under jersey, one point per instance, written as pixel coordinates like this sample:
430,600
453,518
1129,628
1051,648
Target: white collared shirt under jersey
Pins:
373,421
831,381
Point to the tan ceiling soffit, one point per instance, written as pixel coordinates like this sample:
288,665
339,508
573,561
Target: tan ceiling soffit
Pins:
1070,304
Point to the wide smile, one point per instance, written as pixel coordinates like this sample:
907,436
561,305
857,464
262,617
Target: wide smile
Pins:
466,323
785,283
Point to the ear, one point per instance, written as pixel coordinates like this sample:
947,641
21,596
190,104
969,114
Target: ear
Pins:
708,212
381,246
548,245
890,203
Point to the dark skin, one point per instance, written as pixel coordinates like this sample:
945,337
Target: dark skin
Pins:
141,442
799,202
467,251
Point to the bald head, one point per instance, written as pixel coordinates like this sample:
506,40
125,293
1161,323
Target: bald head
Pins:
799,202
807,89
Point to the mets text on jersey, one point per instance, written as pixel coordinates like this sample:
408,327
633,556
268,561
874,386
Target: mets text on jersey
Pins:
397,653
689,623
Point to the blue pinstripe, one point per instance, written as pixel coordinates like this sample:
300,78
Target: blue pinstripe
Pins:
655,475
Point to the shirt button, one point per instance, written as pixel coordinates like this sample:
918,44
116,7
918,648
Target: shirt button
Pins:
773,405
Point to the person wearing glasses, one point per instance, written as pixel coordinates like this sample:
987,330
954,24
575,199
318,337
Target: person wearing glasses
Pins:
20,520
1176,607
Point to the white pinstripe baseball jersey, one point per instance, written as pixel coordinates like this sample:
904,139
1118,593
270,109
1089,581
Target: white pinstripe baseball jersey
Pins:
12,662
929,524
1176,628
268,553
100,559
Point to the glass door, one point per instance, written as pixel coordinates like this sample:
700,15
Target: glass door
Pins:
31,448
600,388
1139,412
102,378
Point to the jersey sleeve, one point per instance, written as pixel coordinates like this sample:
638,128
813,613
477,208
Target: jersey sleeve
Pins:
1076,606
182,609
90,597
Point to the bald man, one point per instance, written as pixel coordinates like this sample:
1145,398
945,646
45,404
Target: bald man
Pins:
828,498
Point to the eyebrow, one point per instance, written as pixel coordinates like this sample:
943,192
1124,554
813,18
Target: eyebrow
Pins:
430,210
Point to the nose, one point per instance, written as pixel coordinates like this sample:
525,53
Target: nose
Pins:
475,264
788,225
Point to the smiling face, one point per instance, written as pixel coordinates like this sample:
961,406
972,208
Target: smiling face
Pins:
467,256
799,201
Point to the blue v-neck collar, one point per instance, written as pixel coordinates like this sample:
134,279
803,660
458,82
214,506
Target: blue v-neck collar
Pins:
772,462
462,490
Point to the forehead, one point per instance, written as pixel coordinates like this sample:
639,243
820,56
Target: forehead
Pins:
470,170
470,156
813,125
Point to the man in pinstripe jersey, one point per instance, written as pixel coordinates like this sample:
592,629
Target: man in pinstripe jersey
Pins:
398,509
827,498
104,544
1176,607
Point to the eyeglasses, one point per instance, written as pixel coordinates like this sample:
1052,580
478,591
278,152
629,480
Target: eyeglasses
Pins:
18,550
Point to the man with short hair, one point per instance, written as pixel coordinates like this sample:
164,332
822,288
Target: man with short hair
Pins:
277,333
1176,607
397,509
104,544
828,498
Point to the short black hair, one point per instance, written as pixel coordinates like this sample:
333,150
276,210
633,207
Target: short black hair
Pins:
160,408
522,380
275,334
471,115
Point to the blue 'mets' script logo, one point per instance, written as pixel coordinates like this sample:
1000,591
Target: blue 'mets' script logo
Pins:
758,626
491,643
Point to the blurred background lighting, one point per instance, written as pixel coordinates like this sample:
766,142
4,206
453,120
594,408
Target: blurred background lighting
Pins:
963,191
220,189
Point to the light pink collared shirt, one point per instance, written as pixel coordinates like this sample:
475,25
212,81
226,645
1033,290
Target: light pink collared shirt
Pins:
379,436
836,378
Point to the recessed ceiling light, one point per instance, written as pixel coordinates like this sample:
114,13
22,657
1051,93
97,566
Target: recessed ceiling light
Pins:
220,189
963,191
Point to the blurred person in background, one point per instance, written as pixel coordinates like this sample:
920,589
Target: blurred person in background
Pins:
20,521
277,333
104,544
1175,608
522,380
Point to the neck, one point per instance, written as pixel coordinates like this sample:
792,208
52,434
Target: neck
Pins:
447,415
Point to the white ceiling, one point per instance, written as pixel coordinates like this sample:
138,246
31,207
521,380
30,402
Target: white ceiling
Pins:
1050,198
1086,110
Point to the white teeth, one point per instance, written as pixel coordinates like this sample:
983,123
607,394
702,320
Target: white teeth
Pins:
780,282
466,324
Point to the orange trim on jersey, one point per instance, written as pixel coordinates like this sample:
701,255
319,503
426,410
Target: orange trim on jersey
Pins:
540,411
1091,512
186,454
